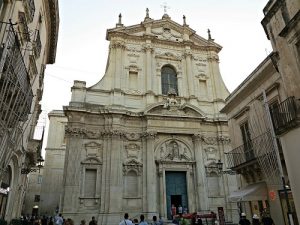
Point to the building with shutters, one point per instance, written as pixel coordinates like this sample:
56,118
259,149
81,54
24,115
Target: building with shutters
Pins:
28,38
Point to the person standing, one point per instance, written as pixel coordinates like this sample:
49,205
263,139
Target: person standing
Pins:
82,222
244,220
126,221
93,221
173,211
267,220
179,209
155,222
255,220
143,222
59,220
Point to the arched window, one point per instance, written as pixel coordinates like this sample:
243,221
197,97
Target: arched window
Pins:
168,80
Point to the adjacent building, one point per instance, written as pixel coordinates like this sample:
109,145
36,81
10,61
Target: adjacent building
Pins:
149,134
28,36
268,100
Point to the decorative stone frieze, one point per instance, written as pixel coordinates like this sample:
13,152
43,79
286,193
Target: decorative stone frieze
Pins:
133,165
132,150
210,140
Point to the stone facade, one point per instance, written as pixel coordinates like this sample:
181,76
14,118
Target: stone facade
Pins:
154,115
28,34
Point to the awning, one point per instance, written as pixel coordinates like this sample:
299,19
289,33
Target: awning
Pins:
252,192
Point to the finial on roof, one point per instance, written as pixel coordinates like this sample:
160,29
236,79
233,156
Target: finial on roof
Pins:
120,18
165,6
147,13
184,20
119,24
209,35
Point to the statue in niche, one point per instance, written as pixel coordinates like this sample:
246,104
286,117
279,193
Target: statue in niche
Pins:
173,150
171,100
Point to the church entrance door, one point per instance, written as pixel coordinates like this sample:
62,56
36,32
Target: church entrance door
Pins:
176,191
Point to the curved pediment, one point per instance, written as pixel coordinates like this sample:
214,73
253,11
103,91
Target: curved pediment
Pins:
184,110
92,160
163,29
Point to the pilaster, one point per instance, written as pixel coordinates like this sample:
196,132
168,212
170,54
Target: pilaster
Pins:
151,174
201,187
115,174
189,72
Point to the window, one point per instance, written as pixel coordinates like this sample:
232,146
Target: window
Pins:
213,185
39,179
168,80
131,184
90,183
246,136
36,198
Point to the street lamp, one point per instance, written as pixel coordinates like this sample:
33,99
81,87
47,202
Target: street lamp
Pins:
38,167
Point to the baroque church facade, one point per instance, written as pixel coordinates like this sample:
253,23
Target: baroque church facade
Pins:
150,133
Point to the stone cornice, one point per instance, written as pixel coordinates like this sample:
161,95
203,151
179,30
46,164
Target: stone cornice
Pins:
53,26
96,134
291,25
216,48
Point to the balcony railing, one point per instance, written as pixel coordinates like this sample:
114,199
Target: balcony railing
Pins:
240,155
284,115
37,44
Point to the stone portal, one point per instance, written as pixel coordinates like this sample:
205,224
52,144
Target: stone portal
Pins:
176,191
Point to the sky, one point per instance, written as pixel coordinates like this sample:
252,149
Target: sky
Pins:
82,49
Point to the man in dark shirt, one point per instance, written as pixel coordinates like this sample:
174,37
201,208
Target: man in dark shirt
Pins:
93,221
267,220
243,220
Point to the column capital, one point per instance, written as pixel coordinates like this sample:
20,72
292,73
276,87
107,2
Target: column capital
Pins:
150,134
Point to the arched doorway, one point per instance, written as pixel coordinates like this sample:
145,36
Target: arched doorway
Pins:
4,191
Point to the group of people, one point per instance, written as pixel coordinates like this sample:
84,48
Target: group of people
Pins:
127,221
266,220
56,220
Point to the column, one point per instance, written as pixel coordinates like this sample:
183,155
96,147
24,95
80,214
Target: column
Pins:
149,76
115,174
151,175
118,71
201,187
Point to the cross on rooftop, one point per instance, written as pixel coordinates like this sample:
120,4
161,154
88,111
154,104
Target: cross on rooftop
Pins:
165,6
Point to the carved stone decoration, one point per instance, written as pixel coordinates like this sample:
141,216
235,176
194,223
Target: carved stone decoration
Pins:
171,103
210,154
173,150
168,56
202,76
132,150
93,149
133,165
132,136
212,140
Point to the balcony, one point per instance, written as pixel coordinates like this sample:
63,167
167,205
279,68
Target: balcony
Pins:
37,45
285,115
241,155
15,88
